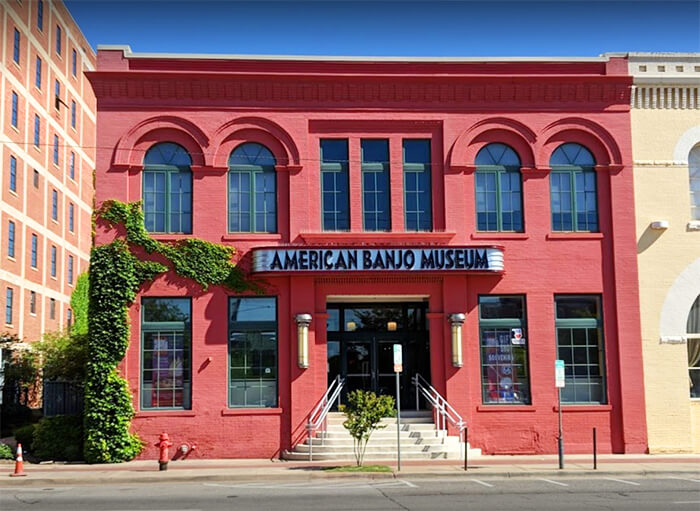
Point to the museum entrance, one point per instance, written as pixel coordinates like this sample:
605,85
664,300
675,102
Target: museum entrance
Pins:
360,347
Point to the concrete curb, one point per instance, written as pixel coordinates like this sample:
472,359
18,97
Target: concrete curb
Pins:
181,476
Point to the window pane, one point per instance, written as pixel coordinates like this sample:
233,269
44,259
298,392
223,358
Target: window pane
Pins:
504,363
417,185
375,173
253,352
500,307
166,348
166,309
580,347
577,307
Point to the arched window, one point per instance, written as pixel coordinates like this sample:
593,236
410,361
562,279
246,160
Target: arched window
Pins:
694,171
167,189
573,189
499,203
252,189
693,329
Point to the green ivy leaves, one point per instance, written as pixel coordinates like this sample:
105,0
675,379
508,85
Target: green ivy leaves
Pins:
115,277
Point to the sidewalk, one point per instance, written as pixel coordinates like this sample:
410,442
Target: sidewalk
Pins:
242,470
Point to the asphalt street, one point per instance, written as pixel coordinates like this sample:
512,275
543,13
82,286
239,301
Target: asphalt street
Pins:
471,493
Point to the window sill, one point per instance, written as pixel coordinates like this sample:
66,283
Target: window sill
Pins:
575,236
165,413
252,236
225,412
505,408
582,408
360,237
499,236
170,237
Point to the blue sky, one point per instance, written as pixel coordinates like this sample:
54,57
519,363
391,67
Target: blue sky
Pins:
392,28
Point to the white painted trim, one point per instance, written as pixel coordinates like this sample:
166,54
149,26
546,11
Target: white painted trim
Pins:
126,51
685,143
679,299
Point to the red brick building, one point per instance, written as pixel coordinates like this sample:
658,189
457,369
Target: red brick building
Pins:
48,156
381,197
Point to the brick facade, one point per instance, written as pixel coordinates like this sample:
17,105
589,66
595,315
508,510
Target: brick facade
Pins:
29,207
211,105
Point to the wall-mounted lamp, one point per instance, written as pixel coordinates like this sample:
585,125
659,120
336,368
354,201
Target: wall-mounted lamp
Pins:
456,321
659,225
303,322
391,326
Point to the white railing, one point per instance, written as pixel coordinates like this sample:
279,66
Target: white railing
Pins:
317,418
443,410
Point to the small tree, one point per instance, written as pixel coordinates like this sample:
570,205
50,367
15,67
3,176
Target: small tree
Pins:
364,412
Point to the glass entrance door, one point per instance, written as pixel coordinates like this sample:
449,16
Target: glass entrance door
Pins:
360,347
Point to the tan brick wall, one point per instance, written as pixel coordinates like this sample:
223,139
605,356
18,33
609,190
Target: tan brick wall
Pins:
662,193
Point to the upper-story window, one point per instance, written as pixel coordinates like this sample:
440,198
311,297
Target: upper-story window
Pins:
335,208
15,108
37,130
573,189
252,189
376,205
74,63
694,176
37,74
58,39
417,185
499,202
15,48
167,189
40,15
693,330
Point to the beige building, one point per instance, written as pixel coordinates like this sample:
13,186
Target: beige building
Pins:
666,150
47,155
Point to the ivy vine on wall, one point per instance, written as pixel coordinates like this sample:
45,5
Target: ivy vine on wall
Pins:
116,274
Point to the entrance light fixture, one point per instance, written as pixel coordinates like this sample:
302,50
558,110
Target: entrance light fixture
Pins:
456,321
391,326
303,322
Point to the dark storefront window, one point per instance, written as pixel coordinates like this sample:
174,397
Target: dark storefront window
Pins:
504,363
498,189
167,189
252,352
417,185
376,208
166,353
335,209
579,326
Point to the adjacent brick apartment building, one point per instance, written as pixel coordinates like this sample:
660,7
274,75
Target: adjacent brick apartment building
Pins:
47,152
381,200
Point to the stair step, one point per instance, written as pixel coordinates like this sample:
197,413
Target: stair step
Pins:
387,441
349,456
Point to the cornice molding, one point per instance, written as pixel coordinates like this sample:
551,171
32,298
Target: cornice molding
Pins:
369,90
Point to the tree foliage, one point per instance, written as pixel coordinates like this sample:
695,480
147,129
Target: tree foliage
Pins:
62,356
364,413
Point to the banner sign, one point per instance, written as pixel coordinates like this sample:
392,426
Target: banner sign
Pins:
482,259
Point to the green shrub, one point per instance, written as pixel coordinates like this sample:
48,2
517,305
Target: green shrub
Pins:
25,435
59,438
364,412
6,452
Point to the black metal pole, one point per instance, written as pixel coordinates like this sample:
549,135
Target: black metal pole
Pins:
466,449
595,451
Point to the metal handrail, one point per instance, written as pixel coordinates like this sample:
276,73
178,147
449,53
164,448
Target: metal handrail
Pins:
445,411
317,418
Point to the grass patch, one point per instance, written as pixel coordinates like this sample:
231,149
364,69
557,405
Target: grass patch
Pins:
364,468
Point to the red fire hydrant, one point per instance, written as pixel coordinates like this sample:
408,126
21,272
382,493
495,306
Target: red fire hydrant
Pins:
164,445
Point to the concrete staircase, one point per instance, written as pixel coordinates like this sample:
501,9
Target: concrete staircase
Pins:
419,440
